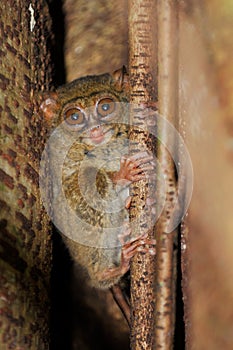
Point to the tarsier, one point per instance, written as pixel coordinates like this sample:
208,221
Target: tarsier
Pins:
92,115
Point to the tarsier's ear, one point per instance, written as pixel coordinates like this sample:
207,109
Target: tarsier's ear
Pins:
49,106
121,78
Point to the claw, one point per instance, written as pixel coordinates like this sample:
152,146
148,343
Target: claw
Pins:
128,202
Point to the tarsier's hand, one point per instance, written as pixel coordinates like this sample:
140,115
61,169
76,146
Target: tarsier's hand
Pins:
133,168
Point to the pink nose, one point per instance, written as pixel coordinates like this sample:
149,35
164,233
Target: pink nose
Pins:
96,134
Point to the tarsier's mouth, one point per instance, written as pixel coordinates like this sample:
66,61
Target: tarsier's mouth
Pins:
98,134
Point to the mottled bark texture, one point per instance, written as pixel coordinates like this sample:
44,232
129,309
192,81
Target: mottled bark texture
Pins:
142,70
96,36
25,244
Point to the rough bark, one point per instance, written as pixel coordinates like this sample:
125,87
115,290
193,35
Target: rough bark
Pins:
142,69
96,36
25,242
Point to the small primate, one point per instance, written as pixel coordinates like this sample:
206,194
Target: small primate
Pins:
92,115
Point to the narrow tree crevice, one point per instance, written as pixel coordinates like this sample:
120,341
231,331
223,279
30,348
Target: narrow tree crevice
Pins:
179,334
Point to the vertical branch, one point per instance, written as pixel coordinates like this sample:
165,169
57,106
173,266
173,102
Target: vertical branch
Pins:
168,107
142,70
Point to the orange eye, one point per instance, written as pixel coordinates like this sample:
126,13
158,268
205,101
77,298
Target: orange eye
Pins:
74,116
105,107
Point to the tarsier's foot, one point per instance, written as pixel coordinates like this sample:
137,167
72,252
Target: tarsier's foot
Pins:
129,248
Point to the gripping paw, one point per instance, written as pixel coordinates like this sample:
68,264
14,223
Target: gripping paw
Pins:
133,168
134,245
129,248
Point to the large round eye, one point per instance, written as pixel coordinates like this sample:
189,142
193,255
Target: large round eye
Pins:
106,106
73,116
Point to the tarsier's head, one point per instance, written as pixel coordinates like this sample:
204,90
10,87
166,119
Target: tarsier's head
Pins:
89,106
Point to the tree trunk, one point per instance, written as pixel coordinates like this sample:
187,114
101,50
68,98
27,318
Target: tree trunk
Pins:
25,241
142,69
153,285
96,37
206,103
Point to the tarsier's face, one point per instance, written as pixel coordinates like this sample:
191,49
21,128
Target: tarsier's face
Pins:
90,106
94,117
